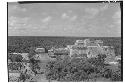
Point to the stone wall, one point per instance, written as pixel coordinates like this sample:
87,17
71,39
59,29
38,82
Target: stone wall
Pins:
91,48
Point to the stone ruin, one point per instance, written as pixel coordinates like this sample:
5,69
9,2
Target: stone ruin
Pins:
89,49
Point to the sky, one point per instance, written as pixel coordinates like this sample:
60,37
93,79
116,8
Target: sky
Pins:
64,19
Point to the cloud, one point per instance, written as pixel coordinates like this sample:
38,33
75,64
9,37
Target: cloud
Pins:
17,22
16,8
73,18
91,12
69,16
65,16
46,19
117,15
104,7
20,9
117,21
12,21
117,18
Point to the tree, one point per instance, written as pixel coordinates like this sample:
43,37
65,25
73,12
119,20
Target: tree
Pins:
32,53
15,57
14,66
69,70
23,77
78,69
33,62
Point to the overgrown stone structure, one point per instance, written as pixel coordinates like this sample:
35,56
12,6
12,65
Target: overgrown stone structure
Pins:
89,49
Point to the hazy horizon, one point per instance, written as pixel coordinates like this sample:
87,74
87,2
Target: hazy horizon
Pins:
64,36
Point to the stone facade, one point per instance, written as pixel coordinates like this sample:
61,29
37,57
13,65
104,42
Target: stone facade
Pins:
89,49
40,50
58,51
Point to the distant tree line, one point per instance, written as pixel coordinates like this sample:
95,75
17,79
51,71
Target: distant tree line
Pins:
23,44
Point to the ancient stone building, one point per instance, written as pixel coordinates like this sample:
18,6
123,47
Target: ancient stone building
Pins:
40,50
89,49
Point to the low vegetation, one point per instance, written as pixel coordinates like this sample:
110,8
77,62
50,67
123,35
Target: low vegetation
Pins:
15,57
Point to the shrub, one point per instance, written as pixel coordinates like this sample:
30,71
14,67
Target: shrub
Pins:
15,57
14,66
23,77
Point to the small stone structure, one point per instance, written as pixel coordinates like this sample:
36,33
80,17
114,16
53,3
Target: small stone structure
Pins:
61,51
40,50
53,52
25,56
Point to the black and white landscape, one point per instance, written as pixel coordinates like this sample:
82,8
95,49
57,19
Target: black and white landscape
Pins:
64,42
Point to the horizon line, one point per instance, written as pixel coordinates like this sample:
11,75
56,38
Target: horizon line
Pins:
56,36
